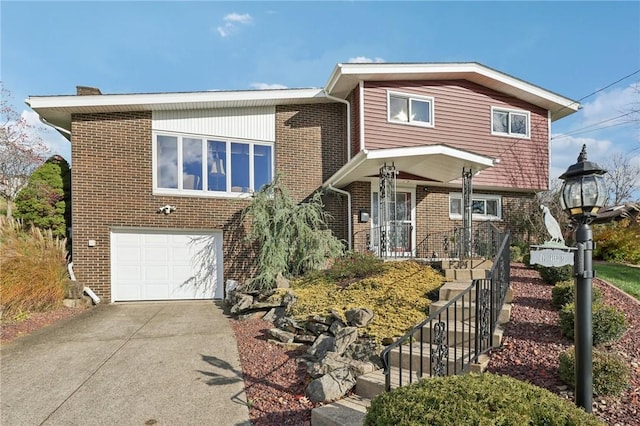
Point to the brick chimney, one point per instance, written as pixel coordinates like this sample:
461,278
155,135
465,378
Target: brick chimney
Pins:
86,90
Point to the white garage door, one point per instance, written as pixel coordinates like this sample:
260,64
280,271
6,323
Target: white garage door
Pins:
165,265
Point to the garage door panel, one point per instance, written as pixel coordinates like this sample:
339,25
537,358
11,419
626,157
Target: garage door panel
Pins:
156,265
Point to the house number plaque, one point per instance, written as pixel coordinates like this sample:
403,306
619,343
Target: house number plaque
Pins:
551,256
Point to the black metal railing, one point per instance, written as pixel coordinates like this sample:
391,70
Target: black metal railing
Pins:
453,337
394,240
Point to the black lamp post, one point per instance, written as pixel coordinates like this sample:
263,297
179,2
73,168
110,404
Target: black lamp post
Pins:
583,193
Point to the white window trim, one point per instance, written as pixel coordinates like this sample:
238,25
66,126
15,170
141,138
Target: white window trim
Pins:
410,96
201,192
510,111
475,216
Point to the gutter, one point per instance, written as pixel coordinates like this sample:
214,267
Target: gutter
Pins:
58,128
87,290
349,216
348,104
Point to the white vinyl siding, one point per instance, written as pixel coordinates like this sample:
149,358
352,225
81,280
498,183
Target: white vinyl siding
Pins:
255,123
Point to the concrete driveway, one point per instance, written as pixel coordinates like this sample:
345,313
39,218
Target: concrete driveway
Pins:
126,364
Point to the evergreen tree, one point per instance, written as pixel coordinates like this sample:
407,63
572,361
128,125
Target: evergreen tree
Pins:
45,202
292,238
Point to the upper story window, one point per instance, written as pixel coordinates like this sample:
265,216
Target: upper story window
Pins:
410,109
208,166
483,206
505,122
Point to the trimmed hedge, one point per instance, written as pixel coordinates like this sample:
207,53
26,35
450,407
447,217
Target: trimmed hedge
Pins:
608,323
610,372
471,399
563,293
555,274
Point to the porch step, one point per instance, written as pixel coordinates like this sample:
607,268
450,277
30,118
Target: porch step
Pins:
457,332
452,288
349,411
467,274
454,358
371,384
470,264
466,312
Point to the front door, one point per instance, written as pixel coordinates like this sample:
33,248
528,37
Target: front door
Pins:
395,237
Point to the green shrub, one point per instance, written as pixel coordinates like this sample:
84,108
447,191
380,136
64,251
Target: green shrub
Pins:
555,274
608,323
355,265
34,276
526,259
610,372
562,293
617,242
45,201
470,399
516,253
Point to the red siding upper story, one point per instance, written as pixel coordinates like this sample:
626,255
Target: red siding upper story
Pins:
462,119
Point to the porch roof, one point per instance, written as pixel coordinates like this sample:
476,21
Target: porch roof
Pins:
439,163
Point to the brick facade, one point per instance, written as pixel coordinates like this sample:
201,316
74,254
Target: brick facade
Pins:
112,184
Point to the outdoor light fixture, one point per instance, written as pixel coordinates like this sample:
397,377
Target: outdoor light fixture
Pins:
582,195
363,216
583,191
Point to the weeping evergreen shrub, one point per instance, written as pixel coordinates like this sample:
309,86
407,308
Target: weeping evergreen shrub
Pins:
292,238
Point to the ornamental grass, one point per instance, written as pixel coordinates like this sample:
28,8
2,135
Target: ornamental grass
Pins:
397,293
33,274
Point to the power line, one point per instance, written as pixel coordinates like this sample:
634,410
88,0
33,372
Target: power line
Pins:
588,130
584,129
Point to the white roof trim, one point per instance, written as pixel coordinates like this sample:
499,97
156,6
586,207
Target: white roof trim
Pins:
151,100
411,160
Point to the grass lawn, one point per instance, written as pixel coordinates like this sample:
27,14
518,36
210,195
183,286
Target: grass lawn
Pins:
626,278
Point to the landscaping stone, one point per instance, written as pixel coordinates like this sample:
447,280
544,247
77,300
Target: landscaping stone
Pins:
360,317
336,326
320,319
281,335
364,350
282,282
274,313
331,386
321,346
305,338
240,302
317,328
287,324
344,337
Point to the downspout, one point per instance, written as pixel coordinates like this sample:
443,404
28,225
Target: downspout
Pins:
349,218
348,104
72,276
87,290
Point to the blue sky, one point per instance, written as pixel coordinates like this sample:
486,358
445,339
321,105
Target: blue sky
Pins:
571,48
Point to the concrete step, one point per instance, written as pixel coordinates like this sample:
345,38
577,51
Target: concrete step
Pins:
349,411
465,274
411,356
451,289
457,312
470,263
456,333
371,384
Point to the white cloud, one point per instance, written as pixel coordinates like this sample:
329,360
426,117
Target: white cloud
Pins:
365,60
244,18
267,86
565,151
54,141
611,104
231,22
